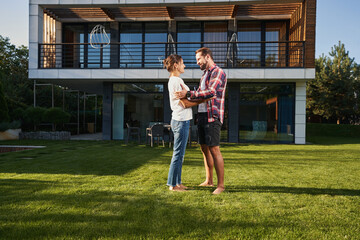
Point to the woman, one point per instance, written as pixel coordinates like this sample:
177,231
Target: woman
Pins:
180,121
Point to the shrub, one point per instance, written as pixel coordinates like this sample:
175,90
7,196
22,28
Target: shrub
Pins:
56,116
18,114
34,115
9,125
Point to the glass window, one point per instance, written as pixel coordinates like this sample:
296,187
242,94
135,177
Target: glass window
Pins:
266,112
193,33
73,55
84,56
99,57
216,32
249,48
190,34
138,55
262,44
130,54
138,87
275,54
155,53
139,105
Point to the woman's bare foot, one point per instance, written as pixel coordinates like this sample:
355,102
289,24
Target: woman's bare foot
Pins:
218,190
176,188
206,184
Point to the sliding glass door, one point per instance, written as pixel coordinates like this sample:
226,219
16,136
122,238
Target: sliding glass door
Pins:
266,112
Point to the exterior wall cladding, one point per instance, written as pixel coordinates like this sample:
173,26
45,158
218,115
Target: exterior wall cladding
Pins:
290,62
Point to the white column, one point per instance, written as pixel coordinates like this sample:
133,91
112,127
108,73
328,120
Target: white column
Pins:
300,113
35,33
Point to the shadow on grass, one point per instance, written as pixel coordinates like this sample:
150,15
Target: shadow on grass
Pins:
81,158
43,209
295,190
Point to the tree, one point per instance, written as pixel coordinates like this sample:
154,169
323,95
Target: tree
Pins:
14,75
333,92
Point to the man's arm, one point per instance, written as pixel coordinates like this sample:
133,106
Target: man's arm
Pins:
186,103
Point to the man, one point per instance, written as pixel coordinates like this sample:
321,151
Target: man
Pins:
210,115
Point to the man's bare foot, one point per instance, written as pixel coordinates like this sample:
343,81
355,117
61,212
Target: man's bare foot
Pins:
206,184
182,186
218,190
176,188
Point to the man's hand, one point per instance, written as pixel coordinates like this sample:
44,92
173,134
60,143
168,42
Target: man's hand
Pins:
181,94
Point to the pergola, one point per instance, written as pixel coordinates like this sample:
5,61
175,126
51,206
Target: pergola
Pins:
216,11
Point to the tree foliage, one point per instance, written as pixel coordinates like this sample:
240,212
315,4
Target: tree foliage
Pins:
56,116
334,93
4,111
14,75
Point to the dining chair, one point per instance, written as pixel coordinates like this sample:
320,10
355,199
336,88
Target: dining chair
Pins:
156,131
132,131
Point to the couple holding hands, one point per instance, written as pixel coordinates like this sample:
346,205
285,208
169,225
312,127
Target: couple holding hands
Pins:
210,98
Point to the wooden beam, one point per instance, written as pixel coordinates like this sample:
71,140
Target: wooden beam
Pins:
51,14
235,9
108,12
170,12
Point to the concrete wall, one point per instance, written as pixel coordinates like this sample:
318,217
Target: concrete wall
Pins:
300,113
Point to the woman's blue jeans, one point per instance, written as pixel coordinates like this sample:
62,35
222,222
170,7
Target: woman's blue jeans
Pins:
180,130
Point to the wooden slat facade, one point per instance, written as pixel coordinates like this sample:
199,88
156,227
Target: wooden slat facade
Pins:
267,9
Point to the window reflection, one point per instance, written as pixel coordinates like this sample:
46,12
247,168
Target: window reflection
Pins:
139,55
194,33
137,104
266,112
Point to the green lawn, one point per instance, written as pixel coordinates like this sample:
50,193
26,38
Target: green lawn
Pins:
107,190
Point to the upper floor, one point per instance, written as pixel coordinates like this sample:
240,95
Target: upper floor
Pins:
138,35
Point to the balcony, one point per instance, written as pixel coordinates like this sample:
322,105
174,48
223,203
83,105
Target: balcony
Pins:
287,54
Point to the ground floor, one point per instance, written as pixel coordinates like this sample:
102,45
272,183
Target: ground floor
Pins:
267,112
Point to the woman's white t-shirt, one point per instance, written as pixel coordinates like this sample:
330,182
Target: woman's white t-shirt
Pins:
179,113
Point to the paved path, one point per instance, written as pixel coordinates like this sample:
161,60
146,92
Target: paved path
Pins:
90,136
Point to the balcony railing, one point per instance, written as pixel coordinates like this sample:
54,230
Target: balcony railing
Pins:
289,54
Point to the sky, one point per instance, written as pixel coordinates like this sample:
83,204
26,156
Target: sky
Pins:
337,20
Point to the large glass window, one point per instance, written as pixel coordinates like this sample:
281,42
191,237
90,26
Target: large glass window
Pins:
150,55
130,54
262,44
155,53
138,104
73,55
192,34
216,32
266,112
98,57
276,46
84,55
249,48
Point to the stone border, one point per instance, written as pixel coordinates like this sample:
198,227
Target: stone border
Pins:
42,135
14,148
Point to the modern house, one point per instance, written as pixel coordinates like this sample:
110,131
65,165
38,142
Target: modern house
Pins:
266,47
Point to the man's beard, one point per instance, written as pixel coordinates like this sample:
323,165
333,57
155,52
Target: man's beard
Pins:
203,66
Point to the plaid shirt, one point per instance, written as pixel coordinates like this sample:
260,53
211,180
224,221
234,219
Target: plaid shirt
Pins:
215,84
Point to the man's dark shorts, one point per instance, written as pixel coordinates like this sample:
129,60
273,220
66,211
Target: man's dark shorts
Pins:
209,133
